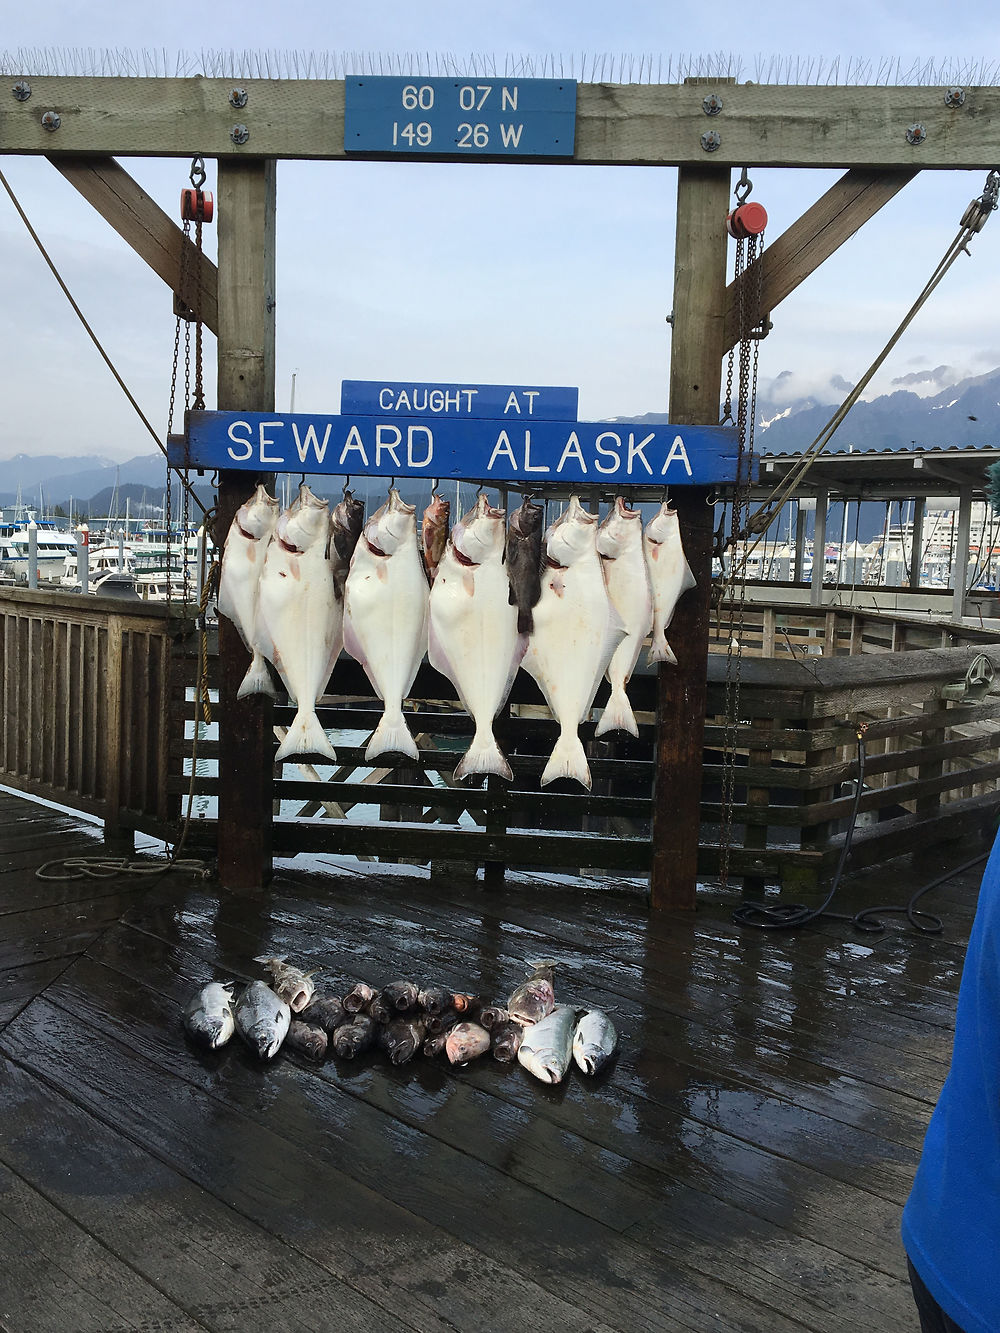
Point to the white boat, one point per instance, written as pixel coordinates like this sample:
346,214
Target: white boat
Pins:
53,546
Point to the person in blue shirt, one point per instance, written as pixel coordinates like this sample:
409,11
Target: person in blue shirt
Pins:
951,1222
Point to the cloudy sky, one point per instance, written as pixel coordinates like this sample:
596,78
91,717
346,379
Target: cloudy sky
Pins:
480,273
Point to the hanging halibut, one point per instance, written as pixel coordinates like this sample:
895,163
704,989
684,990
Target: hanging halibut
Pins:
300,621
346,523
385,617
473,630
239,582
576,632
619,544
669,576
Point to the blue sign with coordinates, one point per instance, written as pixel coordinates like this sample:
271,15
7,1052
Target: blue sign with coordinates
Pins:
507,402
467,117
603,453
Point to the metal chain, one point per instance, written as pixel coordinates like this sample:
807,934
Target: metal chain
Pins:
732,587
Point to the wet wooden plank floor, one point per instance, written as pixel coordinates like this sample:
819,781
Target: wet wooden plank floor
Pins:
741,1166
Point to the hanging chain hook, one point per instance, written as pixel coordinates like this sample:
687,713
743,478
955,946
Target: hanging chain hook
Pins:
198,175
347,485
744,188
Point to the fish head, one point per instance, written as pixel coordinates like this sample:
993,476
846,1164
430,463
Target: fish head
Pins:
258,515
465,1041
481,533
304,523
390,527
527,519
348,516
542,1064
572,535
532,1001
265,1039
664,526
438,512
622,527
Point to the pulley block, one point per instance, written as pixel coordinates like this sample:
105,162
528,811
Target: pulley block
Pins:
748,219
197,205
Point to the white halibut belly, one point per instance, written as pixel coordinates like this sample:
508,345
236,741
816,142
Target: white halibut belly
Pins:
300,623
574,638
629,591
473,634
385,619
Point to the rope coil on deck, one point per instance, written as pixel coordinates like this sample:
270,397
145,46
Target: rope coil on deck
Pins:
98,867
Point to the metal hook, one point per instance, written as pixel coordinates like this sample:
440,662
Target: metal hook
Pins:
198,174
743,188
434,486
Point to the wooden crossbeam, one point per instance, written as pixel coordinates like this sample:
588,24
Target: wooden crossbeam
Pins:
821,230
141,222
657,124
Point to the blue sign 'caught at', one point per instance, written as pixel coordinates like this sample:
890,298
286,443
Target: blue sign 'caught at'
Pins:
478,449
505,402
469,117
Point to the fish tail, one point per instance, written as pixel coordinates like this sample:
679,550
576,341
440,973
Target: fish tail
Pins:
305,736
660,650
484,756
568,760
392,736
257,680
618,715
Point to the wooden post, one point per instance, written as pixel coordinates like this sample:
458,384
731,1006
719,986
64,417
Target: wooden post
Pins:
695,392
246,383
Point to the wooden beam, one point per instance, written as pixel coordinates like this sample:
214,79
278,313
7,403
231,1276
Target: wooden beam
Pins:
141,222
246,383
695,390
656,124
820,231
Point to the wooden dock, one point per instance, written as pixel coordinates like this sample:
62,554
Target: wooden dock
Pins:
741,1166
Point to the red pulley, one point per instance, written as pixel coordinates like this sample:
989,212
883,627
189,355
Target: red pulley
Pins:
197,205
747,220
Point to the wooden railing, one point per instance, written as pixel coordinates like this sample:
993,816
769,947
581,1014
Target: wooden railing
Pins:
85,688
98,714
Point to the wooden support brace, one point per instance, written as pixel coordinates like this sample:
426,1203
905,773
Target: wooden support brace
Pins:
818,233
141,222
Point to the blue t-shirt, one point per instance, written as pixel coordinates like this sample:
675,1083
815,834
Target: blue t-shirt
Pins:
951,1222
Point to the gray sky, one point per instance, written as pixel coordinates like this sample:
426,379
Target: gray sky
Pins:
480,273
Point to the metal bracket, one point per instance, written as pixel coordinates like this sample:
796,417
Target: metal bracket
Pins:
975,686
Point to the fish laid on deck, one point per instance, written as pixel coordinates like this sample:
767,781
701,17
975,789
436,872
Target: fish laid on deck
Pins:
400,995
434,534
326,1012
465,1042
505,1039
239,581
262,1019
473,638
577,630
402,1039
293,985
306,1039
385,617
547,1046
434,999
594,1041
299,619
358,996
209,1015
524,562
669,576
351,1039
619,544
535,997
346,523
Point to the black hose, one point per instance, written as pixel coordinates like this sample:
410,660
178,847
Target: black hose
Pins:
787,916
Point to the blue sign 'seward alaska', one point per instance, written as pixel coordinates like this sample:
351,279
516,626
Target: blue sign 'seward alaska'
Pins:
476,448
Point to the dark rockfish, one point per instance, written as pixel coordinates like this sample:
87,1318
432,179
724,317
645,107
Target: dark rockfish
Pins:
401,1039
535,997
293,985
492,1014
399,995
262,1019
434,1000
326,1012
435,1044
305,1039
434,533
467,1005
346,523
358,996
524,562
209,1016
436,1023
379,1010
352,1038
506,1040
465,1042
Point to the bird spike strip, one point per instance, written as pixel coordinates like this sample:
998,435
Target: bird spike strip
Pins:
586,67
